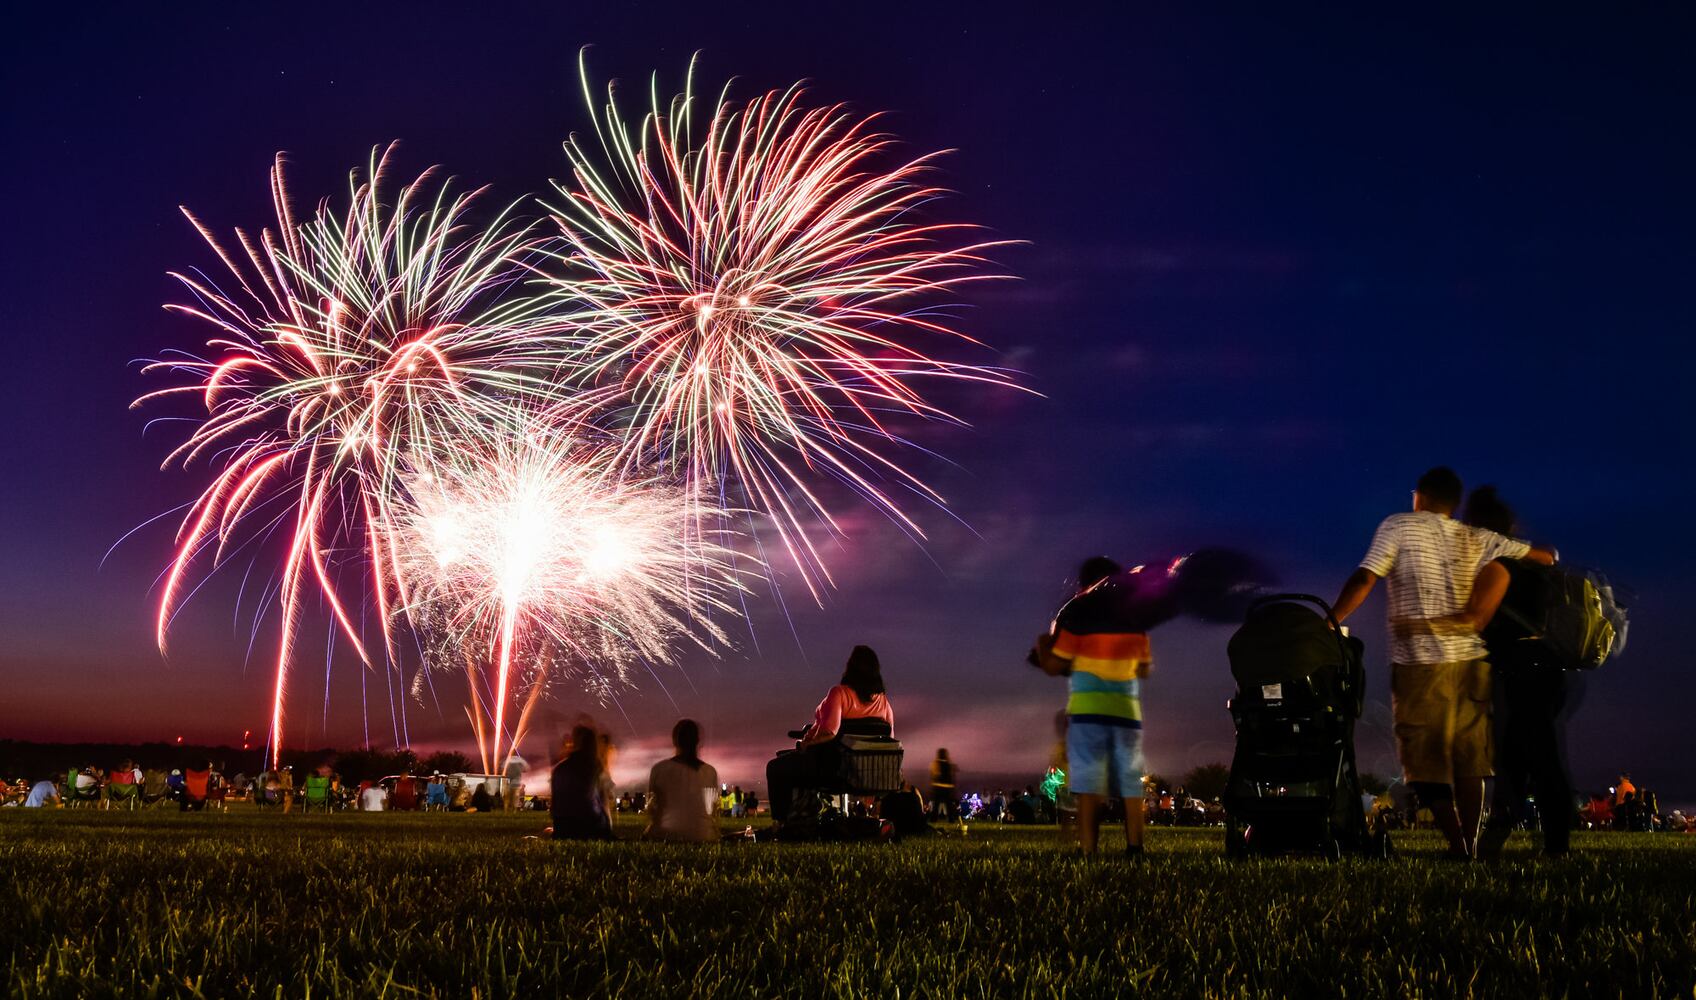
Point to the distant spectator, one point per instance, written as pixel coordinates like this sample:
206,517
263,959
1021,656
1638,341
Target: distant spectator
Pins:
579,811
123,786
683,789
82,786
262,783
607,750
904,811
1624,790
195,787
512,788
373,797
318,791
942,782
154,786
41,793
405,796
436,793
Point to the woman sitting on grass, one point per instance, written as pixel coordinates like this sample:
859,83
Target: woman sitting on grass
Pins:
578,810
860,697
682,790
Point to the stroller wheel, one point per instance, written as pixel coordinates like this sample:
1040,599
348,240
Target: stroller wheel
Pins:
1333,849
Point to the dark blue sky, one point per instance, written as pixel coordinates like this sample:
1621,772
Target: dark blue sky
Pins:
1276,267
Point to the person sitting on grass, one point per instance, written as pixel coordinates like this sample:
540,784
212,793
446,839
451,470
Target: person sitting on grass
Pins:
579,811
196,784
860,696
153,786
684,789
436,793
373,797
905,812
42,793
405,795
123,786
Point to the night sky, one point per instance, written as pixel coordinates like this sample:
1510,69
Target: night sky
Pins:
1275,269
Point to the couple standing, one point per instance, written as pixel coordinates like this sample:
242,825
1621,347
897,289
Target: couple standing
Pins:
1451,656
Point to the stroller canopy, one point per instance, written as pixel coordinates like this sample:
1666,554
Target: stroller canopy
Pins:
1284,642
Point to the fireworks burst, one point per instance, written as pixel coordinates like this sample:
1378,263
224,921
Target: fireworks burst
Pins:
532,544
740,311
343,342
757,294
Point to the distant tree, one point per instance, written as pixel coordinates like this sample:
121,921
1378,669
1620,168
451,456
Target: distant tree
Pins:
447,762
1371,784
369,765
1208,781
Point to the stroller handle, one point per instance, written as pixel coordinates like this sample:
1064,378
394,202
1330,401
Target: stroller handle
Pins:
1293,598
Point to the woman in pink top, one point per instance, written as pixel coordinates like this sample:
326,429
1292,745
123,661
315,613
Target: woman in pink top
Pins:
858,704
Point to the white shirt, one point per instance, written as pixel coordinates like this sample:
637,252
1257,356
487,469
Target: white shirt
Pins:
682,800
1429,562
374,799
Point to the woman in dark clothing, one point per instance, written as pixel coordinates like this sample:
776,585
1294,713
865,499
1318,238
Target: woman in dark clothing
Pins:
577,807
1529,693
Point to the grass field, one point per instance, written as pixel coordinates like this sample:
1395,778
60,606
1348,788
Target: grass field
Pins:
162,904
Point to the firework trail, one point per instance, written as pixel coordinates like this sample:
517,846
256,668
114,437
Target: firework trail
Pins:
340,343
534,546
757,296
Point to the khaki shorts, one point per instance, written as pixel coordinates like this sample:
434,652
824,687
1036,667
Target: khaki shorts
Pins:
1442,720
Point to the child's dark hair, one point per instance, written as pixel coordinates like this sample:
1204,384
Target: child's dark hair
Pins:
1096,569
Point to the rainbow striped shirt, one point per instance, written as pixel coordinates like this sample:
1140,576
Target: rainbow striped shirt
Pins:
1106,661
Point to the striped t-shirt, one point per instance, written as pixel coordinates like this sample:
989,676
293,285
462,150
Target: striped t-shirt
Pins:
1428,562
1107,657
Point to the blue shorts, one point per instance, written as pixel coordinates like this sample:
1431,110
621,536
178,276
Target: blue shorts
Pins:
1104,760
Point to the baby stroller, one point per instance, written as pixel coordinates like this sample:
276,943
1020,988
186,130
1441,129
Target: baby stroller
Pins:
1300,687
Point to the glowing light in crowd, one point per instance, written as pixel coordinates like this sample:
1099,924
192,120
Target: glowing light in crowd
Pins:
757,287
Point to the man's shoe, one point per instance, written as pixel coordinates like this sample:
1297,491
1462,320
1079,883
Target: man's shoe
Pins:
1134,852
